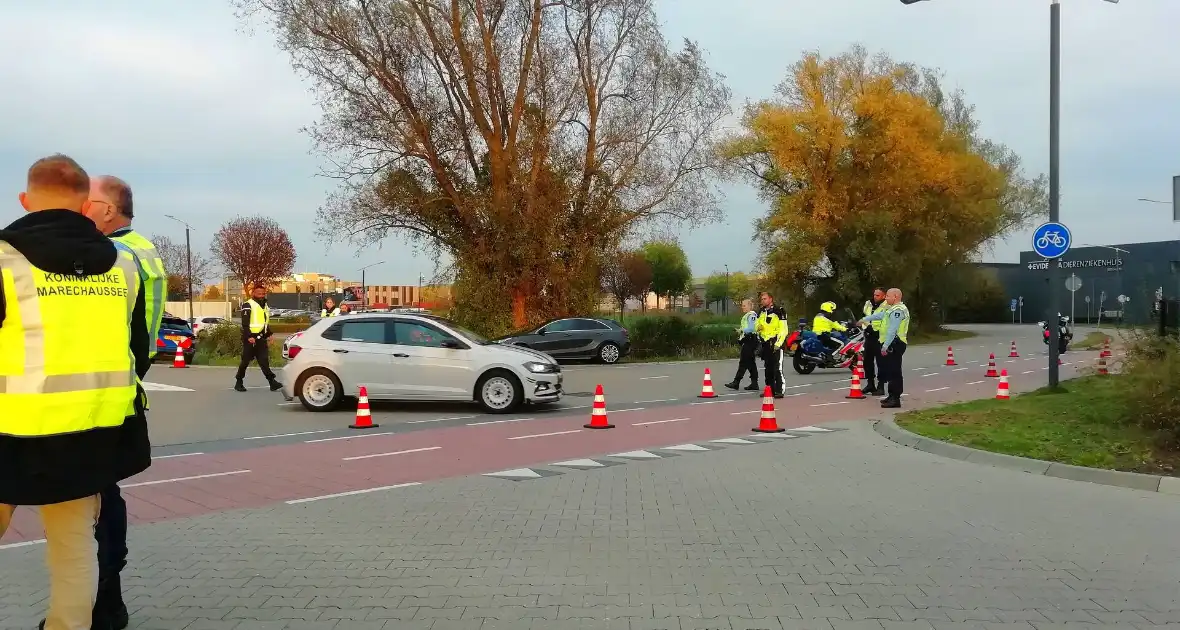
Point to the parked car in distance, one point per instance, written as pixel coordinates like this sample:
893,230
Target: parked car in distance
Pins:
414,358
201,323
603,340
175,331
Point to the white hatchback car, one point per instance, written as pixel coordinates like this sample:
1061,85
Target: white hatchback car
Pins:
412,357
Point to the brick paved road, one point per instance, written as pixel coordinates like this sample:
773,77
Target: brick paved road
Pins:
839,531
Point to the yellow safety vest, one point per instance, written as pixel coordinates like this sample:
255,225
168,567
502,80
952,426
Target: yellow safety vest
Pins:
903,329
877,325
56,377
769,326
259,317
335,312
155,281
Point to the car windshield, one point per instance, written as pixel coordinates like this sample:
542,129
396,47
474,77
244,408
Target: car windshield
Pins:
470,335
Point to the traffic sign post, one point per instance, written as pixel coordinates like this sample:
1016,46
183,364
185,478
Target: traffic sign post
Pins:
1051,241
1012,307
1073,283
1020,311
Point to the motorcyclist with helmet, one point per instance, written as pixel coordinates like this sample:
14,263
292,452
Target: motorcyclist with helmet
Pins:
823,325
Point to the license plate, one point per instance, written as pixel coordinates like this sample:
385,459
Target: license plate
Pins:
174,338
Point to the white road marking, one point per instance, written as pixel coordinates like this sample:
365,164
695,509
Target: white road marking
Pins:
413,450
651,378
1029,371
631,409
192,478
351,493
288,404
347,437
937,389
921,368
161,387
798,386
711,402
842,402
839,389
742,413
732,441
537,435
565,408
774,435
642,424
279,435
518,473
645,402
959,369
480,424
636,455
175,456
441,419
684,447
27,543
580,463
975,382
930,374
813,429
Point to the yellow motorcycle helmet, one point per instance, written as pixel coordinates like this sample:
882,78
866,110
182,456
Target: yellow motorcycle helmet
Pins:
828,307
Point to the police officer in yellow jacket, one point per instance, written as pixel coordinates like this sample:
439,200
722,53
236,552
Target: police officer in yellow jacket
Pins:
112,208
893,345
771,329
255,333
71,423
823,325
330,309
872,353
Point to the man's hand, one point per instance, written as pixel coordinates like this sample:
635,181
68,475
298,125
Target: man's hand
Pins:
252,340
884,352
861,324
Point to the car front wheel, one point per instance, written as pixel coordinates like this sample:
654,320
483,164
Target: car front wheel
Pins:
609,353
499,391
319,390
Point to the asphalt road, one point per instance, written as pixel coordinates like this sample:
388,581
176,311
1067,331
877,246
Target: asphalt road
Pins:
197,409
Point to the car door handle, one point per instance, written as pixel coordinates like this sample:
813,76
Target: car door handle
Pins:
340,351
402,356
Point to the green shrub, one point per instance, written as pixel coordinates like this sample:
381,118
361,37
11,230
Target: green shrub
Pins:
674,335
289,327
223,339
1152,371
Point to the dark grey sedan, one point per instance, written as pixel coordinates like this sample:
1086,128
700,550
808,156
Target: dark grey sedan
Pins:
604,340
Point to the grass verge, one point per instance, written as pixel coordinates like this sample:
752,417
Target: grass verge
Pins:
205,357
711,354
1092,341
1081,423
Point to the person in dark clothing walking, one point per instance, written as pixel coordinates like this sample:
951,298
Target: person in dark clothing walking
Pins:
749,343
255,333
872,350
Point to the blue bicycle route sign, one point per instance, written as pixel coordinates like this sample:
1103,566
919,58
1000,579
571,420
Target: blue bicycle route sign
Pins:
1012,306
1051,240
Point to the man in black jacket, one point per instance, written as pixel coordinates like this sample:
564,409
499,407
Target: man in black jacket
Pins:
255,333
58,469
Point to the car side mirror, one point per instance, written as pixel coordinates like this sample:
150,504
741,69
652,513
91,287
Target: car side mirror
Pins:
451,344
541,331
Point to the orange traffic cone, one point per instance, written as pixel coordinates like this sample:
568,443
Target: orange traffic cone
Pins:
855,390
991,366
1013,354
950,356
1105,348
707,385
1002,388
1102,365
860,365
768,423
364,419
178,360
598,413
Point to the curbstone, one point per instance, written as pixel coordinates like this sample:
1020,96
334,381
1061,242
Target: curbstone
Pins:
888,429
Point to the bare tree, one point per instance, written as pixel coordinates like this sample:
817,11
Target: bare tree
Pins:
524,138
254,250
176,264
625,275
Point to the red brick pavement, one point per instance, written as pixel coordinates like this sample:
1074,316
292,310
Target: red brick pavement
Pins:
187,486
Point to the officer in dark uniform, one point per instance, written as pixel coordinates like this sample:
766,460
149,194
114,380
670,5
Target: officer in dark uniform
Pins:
255,333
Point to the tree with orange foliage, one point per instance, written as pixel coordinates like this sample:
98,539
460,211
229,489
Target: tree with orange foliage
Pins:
874,177
254,250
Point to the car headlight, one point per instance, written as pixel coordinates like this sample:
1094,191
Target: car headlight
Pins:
540,368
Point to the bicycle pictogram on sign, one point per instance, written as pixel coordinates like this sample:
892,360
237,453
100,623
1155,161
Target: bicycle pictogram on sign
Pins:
1051,240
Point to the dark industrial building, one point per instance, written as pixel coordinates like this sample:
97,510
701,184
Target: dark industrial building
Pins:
1139,272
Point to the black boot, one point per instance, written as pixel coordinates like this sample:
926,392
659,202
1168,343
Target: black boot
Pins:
733,385
891,403
239,386
752,387
110,612
275,385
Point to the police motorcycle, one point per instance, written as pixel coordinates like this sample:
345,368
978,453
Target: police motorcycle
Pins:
812,352
1064,334
796,337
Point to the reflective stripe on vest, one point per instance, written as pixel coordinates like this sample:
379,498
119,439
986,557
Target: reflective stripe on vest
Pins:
877,325
259,317
50,384
903,328
155,281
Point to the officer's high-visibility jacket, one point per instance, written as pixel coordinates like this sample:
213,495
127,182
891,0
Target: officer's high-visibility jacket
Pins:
822,324
333,313
153,275
897,323
771,327
259,317
869,310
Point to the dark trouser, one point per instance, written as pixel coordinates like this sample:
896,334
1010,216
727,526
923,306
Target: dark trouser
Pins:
831,344
891,372
256,351
111,533
872,355
747,363
772,364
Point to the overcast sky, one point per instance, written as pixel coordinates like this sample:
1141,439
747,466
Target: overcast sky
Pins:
204,120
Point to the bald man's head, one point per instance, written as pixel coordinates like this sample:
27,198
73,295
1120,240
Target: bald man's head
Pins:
56,182
893,296
111,204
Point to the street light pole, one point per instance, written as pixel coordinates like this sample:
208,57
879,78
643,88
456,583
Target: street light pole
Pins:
725,300
1054,184
188,254
364,287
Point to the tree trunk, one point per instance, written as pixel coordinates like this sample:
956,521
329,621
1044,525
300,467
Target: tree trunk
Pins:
519,314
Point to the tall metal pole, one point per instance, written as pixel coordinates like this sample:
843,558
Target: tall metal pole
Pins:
364,293
188,254
1054,182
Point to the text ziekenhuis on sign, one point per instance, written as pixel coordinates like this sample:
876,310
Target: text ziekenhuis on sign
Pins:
1112,263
